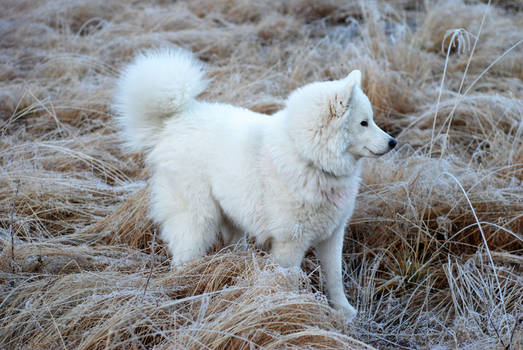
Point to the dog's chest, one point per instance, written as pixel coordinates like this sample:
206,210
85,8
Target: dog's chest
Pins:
317,219
335,197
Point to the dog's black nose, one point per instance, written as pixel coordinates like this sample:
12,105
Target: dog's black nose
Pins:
392,143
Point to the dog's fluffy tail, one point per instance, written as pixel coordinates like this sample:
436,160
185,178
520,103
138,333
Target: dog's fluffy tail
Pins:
157,85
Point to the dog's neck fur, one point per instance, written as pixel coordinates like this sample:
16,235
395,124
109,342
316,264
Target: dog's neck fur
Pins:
299,173
329,174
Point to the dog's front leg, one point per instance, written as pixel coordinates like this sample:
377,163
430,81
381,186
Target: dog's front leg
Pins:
288,253
330,254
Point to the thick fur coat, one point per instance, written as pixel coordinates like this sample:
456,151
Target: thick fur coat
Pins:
288,180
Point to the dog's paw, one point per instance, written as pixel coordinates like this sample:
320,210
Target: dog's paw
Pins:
348,311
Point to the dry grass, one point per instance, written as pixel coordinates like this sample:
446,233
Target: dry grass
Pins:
434,253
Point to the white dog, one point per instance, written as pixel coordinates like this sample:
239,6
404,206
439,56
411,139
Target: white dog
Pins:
288,180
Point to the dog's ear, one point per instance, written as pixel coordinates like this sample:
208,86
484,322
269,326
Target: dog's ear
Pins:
354,77
339,104
350,82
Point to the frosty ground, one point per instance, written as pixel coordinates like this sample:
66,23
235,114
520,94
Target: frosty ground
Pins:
432,256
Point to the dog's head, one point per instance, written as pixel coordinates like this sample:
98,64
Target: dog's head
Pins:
331,123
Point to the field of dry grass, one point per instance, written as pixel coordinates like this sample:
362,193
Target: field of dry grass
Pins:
433,257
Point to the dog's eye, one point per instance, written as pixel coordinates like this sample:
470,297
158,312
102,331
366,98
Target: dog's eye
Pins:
364,123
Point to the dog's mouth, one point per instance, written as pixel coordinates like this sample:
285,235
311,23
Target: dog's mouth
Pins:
376,154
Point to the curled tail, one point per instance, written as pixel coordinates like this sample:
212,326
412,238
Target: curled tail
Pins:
156,86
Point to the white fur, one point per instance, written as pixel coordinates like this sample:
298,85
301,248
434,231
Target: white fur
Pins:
289,180
153,89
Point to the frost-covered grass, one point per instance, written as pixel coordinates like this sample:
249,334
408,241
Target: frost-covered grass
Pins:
433,255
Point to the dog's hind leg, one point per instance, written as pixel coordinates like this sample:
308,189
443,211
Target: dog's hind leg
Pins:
189,218
288,253
189,236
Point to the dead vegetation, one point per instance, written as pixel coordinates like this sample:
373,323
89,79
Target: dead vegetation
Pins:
433,255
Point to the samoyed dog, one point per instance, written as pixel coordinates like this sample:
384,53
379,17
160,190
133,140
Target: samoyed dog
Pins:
288,180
